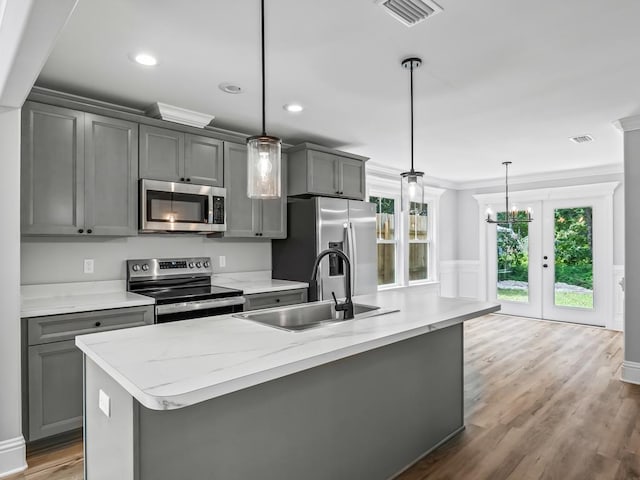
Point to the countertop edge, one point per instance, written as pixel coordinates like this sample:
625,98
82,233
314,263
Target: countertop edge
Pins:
207,393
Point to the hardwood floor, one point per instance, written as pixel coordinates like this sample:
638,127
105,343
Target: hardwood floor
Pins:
543,400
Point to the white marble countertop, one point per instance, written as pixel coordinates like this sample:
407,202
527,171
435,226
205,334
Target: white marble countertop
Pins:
173,365
60,298
255,282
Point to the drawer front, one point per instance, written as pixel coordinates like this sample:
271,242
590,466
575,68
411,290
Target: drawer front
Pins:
57,328
275,299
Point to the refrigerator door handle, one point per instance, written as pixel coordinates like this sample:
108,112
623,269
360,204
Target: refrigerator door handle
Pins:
353,256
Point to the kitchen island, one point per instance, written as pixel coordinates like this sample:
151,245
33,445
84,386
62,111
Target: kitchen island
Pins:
227,398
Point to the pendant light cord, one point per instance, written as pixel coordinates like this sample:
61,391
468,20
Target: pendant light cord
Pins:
264,131
506,189
411,86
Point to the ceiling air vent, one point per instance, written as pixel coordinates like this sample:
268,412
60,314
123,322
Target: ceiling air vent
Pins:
410,12
582,139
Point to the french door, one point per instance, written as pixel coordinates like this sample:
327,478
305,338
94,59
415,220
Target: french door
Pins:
555,267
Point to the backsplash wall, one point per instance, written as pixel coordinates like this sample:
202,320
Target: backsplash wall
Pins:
57,260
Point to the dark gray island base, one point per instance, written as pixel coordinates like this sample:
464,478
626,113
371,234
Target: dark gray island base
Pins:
367,416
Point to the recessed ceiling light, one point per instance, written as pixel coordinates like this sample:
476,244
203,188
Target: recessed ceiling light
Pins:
145,59
293,107
230,88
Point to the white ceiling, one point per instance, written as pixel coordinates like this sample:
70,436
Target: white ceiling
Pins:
501,79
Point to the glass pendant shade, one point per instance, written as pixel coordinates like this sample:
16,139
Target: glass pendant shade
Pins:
264,155
412,189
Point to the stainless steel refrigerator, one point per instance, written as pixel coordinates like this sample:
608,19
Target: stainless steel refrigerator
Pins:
318,223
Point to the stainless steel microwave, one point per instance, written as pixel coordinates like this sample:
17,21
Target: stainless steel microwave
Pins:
181,207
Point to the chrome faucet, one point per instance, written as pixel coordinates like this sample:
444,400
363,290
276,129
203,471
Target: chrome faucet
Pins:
347,305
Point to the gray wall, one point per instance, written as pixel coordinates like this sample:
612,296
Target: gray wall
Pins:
468,213
56,260
632,267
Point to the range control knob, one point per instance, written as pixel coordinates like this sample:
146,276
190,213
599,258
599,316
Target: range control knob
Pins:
191,264
206,264
145,267
198,264
135,267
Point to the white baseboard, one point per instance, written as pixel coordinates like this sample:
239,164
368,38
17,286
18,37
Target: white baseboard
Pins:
630,372
12,456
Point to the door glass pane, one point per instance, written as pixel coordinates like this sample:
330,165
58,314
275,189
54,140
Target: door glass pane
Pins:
573,286
513,260
386,263
418,256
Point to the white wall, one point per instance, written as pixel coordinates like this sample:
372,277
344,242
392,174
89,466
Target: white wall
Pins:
56,260
12,451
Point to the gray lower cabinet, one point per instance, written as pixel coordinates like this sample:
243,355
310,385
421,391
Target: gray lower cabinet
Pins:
316,170
79,173
247,217
52,383
180,157
257,301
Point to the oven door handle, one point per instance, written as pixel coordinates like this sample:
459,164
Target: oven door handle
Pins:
198,305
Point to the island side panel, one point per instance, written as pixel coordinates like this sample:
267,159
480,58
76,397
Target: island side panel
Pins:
367,416
108,440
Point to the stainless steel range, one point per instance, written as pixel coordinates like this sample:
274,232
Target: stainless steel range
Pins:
182,288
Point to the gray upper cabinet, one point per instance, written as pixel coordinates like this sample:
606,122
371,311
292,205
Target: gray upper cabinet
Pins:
161,154
203,160
52,176
79,173
247,217
180,157
111,164
316,170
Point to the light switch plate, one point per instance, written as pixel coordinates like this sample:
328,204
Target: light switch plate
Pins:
104,402
88,265
223,261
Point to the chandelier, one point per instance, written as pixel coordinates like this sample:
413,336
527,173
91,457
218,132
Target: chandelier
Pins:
511,215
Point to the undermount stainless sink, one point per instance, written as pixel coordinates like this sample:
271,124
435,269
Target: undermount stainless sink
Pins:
309,315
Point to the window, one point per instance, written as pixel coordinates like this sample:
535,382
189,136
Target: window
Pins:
386,239
418,238
406,239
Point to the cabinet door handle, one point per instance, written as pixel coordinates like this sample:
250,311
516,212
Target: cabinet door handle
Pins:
277,300
182,179
188,179
80,230
89,231
97,324
545,265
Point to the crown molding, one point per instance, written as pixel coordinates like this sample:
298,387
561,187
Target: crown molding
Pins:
389,174
551,193
610,169
384,173
628,124
171,113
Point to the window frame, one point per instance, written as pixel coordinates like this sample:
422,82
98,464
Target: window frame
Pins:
382,182
397,238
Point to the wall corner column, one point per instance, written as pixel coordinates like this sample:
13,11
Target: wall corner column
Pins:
630,127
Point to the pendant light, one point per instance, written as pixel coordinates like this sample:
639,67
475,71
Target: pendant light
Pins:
263,152
412,182
511,215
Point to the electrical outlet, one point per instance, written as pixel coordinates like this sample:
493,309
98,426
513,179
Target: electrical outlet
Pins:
104,402
88,265
223,261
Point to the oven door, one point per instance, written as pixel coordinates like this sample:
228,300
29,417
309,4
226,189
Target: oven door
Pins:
179,207
172,312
